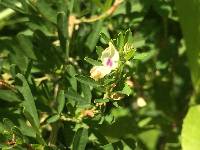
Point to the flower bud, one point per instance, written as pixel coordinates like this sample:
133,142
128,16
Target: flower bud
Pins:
117,96
128,51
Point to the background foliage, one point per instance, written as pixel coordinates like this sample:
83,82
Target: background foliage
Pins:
47,103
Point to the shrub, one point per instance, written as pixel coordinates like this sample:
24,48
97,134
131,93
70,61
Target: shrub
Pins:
100,74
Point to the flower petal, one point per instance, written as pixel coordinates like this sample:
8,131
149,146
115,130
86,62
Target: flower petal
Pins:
110,57
108,52
98,72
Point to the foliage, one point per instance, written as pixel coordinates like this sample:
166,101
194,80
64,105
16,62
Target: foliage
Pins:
190,132
99,74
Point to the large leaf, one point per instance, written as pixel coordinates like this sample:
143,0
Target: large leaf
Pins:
190,25
80,139
190,132
9,96
29,102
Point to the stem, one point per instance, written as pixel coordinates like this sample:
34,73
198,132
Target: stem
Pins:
74,21
55,126
54,133
109,12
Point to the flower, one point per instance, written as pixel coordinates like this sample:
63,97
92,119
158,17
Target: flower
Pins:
88,112
98,72
109,58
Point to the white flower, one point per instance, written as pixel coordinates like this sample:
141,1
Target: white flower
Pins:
98,72
141,102
110,59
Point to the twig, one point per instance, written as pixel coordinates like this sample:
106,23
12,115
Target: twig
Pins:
55,126
73,21
109,12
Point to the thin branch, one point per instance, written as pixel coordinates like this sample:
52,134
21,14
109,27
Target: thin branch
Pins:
109,12
74,21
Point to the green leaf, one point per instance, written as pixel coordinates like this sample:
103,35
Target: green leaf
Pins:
46,10
190,28
120,42
72,72
14,6
26,129
129,54
138,41
18,133
94,35
48,56
62,30
29,102
2,128
144,56
99,50
80,139
53,118
26,45
108,147
28,70
87,80
129,37
61,101
107,5
71,5
86,92
98,3
73,95
150,138
92,61
126,90
14,70
31,121
9,96
101,100
39,137
105,37
190,132
8,124
141,56
129,143
25,5
38,147
119,144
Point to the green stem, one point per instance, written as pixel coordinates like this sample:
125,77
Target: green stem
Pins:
109,12
54,133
